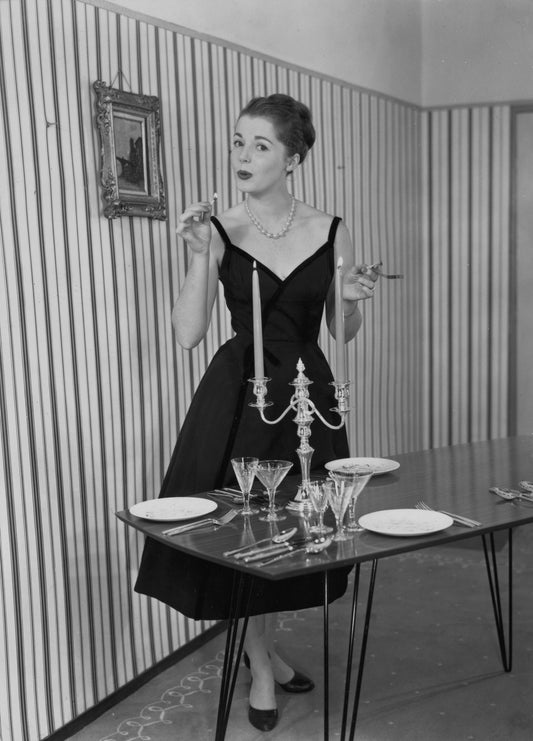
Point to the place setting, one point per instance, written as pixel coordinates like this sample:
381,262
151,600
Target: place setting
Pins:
177,509
196,513
172,509
420,520
409,522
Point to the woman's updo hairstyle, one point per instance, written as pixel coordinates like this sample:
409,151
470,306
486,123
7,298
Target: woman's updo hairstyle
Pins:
290,118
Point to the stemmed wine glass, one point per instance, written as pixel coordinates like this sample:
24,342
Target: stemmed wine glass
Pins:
356,478
245,470
271,473
318,494
339,497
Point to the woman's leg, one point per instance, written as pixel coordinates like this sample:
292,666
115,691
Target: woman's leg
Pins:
281,670
262,693
267,667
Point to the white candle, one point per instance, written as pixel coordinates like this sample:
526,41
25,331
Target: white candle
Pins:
340,369
259,370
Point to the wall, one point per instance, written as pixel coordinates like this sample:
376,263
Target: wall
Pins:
476,51
93,387
427,52
373,44
467,261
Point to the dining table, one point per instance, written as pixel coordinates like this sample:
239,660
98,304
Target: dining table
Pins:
456,479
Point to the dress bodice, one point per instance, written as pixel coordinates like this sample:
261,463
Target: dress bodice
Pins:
292,308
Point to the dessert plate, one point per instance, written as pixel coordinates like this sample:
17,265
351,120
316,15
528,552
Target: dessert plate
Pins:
172,508
378,465
405,523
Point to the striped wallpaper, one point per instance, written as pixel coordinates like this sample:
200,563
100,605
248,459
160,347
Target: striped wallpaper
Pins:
466,253
93,387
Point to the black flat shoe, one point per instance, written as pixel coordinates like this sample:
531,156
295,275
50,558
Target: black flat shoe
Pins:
299,683
263,720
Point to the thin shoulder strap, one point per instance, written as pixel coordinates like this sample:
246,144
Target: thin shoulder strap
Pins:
333,229
220,229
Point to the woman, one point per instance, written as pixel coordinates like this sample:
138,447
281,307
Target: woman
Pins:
296,248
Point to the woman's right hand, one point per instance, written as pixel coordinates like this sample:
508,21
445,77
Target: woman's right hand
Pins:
194,226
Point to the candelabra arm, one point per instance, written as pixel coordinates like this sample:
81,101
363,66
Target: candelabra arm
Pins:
274,421
260,403
328,424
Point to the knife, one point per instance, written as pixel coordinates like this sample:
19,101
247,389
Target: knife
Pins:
275,550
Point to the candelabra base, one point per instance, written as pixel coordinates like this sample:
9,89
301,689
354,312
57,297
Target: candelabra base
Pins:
302,500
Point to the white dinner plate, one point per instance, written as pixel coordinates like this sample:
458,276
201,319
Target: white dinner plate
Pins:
173,508
378,465
405,523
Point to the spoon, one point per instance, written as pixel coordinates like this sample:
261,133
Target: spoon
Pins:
510,494
316,546
273,550
245,550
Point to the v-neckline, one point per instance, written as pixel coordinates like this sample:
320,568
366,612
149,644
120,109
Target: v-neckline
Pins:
270,272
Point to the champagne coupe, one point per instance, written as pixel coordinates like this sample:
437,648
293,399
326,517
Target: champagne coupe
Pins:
245,470
318,494
355,479
339,497
271,474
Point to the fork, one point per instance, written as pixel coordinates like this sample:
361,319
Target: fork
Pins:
458,519
376,267
510,495
216,521
234,495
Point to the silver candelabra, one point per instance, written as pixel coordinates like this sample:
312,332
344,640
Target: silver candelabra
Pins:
305,410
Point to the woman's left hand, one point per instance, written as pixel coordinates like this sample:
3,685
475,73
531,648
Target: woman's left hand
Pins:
359,283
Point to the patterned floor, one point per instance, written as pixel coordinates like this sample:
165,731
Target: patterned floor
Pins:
433,670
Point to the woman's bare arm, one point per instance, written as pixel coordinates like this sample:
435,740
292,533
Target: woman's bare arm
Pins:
191,314
358,285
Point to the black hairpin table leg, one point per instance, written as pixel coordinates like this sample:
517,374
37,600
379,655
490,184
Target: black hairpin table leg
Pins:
239,605
506,649
351,638
326,658
362,651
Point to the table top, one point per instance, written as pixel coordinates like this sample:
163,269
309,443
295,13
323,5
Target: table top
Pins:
455,478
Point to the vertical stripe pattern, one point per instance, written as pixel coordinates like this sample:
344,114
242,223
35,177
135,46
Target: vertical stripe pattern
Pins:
93,387
466,262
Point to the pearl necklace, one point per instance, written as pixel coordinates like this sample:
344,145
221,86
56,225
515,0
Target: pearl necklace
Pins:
255,221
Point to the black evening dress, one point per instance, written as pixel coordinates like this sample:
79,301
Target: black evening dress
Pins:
221,425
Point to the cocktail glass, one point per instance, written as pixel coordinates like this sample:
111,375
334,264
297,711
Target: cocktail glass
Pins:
355,479
318,494
339,497
245,470
271,473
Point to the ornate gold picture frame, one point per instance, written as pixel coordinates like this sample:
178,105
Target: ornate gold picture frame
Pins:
130,173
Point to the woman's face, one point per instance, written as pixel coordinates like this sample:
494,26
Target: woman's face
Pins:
258,159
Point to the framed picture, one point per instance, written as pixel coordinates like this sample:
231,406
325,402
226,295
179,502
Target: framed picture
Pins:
130,173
